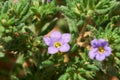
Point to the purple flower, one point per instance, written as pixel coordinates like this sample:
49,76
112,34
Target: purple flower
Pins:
57,42
100,49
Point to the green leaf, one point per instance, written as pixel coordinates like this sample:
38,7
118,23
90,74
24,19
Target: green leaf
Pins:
5,7
45,29
82,70
118,54
75,46
13,77
8,38
20,59
1,30
92,67
81,78
2,54
25,9
75,76
70,69
117,61
47,63
64,77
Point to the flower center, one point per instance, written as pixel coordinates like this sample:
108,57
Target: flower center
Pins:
57,44
101,50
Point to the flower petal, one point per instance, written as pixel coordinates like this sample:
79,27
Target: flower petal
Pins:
94,43
47,40
65,48
100,57
66,37
92,53
102,42
52,50
56,35
107,51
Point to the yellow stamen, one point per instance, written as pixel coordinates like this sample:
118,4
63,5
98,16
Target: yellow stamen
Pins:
101,50
57,44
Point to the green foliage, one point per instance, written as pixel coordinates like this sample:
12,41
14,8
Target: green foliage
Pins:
23,25
2,54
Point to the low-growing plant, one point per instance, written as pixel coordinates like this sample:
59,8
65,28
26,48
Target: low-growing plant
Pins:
59,39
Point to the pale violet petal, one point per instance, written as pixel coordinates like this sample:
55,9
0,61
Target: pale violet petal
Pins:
108,51
64,48
47,40
66,37
52,50
102,42
93,52
56,35
94,43
100,57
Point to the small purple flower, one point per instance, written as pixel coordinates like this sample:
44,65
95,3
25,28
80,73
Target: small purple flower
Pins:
57,42
100,49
